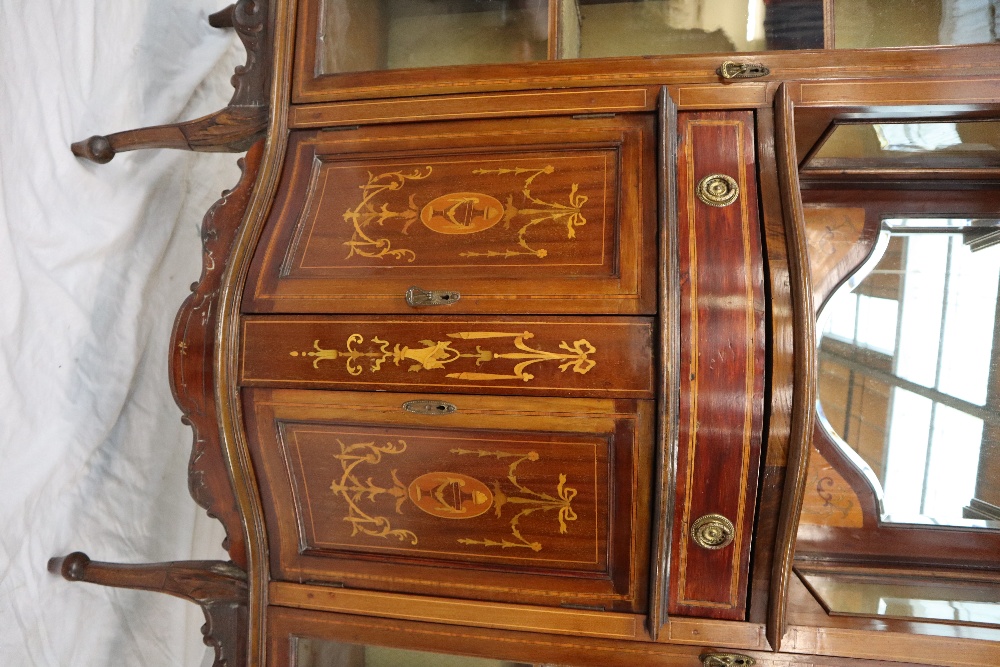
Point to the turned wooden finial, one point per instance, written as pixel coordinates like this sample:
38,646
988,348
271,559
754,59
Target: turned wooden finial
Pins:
96,149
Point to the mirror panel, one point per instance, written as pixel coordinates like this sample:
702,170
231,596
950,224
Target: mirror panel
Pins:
868,24
909,370
367,35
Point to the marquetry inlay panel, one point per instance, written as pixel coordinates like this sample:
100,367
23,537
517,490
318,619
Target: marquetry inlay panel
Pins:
570,356
552,215
552,490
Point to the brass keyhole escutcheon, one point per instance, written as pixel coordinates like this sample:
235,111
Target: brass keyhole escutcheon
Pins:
712,531
726,660
717,190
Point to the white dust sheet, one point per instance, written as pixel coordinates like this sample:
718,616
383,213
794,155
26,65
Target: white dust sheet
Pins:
94,262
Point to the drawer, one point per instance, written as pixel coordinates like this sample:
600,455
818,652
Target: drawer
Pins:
540,500
547,215
568,356
722,366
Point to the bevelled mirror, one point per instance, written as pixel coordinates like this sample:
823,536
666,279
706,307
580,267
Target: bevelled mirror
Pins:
909,370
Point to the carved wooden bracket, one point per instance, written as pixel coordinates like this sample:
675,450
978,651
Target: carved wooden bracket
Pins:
192,346
233,129
219,588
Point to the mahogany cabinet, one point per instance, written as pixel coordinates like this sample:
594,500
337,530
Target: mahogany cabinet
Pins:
518,359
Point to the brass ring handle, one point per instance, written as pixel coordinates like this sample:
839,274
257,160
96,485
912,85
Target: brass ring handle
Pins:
712,531
717,190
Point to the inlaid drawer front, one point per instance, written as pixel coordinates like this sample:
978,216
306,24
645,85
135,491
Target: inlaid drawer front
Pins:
722,364
487,494
549,215
583,356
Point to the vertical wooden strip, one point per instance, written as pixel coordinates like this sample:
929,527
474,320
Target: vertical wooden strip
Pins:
721,364
668,377
804,378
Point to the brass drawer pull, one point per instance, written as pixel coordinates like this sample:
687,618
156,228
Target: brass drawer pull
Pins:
726,660
712,531
717,190
417,297
429,407
730,70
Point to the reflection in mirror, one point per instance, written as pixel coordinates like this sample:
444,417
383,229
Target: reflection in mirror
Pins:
909,370
937,145
867,24
324,653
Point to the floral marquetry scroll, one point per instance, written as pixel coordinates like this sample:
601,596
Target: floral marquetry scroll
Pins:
575,356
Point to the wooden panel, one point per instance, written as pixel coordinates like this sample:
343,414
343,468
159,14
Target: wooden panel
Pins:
566,357
553,216
505,499
488,105
575,622
722,364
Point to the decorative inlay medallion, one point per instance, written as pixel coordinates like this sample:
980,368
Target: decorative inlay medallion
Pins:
436,355
462,213
450,495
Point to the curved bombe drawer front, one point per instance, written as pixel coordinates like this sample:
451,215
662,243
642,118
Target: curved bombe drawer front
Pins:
513,499
581,356
553,215
722,364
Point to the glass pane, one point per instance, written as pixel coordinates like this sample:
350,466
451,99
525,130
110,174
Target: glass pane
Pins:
910,370
323,653
968,144
854,594
602,28
366,35
865,24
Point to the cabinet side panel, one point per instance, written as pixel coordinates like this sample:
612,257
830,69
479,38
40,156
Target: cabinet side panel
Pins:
722,366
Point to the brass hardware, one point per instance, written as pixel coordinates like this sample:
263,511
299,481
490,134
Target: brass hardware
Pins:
717,190
712,531
726,660
730,70
417,297
429,407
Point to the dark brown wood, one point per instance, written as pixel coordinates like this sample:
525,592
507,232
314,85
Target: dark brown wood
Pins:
605,357
288,624
804,370
464,107
778,384
192,375
219,588
223,18
508,499
668,367
233,129
721,364
518,216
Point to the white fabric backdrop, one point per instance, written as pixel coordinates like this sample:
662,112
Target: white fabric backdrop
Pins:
94,262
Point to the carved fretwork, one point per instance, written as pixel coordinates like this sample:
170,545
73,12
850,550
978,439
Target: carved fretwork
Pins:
191,371
219,588
233,129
